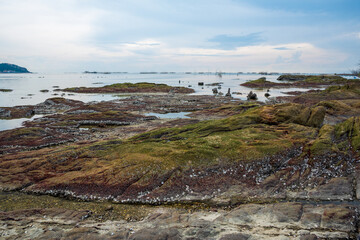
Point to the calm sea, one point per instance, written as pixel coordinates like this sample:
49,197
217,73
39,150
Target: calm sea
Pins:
27,87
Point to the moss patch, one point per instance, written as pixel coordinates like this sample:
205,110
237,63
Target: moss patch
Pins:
324,142
350,129
100,210
320,79
263,83
5,90
131,88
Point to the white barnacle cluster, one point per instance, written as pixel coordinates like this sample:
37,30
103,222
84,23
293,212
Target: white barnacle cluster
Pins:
143,194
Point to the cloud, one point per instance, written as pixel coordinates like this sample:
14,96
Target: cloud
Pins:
231,42
303,57
282,48
294,58
68,35
50,30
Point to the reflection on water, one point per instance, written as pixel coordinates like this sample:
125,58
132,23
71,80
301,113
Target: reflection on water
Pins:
14,123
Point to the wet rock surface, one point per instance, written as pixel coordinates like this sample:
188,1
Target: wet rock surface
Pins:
194,162
68,120
234,170
50,106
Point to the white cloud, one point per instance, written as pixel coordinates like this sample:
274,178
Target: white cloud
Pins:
142,35
301,57
35,28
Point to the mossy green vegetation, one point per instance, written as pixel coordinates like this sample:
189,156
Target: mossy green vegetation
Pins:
315,78
347,88
326,79
250,136
345,93
137,85
337,138
181,162
259,80
324,142
300,81
263,83
5,90
225,110
100,211
130,88
245,137
32,132
350,129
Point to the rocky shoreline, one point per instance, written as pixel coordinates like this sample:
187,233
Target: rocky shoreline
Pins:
288,169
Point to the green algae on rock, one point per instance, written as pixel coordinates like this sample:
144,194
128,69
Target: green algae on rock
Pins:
262,148
346,92
142,87
5,90
303,81
151,164
99,211
263,83
313,78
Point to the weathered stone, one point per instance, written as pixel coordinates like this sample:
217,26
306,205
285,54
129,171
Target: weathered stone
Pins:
336,188
235,236
339,217
156,234
251,96
310,219
309,237
228,94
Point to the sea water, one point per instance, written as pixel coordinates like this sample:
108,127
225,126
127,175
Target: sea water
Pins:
27,87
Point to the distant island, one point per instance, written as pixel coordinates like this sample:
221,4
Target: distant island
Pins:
12,68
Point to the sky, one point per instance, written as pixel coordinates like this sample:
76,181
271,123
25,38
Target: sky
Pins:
313,36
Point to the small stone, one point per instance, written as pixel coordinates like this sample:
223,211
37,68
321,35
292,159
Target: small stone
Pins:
109,208
251,96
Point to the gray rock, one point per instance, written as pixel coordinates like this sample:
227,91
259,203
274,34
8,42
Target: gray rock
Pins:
235,236
228,94
251,96
335,189
156,234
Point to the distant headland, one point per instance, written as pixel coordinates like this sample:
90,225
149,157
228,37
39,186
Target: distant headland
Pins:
12,68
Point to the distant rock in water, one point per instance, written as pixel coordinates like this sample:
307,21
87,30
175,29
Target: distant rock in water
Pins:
12,68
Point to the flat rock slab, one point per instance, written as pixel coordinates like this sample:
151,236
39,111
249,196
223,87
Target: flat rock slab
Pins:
287,220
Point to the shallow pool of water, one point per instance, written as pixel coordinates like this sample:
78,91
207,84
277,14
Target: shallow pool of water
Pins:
169,115
15,123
